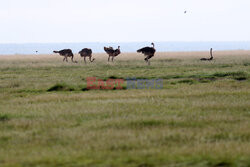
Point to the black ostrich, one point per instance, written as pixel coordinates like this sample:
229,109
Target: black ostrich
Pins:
66,53
149,52
208,59
86,53
111,52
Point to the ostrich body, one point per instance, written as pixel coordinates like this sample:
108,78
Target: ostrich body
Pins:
111,52
66,53
86,53
149,52
208,59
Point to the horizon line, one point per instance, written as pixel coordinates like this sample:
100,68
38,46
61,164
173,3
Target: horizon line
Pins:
18,43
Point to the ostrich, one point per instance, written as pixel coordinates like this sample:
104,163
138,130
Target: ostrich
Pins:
116,53
149,52
112,53
86,53
109,51
208,59
66,53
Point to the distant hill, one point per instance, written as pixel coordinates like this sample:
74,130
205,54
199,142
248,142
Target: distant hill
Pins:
47,48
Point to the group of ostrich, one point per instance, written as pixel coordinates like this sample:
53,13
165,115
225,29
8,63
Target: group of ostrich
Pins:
148,52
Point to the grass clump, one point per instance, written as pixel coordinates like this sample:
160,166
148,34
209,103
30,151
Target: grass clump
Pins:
207,79
223,164
60,87
239,76
146,123
227,74
4,117
14,85
187,81
114,77
84,89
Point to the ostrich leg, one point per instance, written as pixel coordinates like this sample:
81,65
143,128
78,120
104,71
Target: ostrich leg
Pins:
92,59
149,62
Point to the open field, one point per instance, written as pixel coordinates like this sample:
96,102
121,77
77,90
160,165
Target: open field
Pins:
201,117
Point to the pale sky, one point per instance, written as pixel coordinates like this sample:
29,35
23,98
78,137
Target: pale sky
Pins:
42,21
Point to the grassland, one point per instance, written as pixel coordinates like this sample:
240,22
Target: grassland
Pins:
201,118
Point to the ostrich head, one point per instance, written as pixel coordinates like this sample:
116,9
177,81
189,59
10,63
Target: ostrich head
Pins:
153,44
118,47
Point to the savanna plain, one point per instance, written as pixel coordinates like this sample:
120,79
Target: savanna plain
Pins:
201,117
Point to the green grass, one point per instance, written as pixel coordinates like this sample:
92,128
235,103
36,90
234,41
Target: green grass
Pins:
200,118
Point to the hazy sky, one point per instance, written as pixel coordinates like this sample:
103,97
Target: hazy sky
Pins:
123,20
